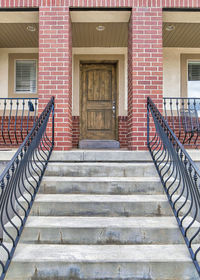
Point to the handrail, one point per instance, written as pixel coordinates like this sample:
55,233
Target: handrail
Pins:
183,116
179,175
17,117
20,181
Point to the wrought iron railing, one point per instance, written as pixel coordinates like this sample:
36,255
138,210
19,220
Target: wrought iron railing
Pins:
17,117
179,175
183,116
20,182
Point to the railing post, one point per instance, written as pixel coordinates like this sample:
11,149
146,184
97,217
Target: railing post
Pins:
53,103
148,122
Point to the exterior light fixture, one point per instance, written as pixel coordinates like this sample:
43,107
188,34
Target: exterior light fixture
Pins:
31,28
100,28
170,27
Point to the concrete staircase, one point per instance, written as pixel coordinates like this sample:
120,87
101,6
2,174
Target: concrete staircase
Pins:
101,215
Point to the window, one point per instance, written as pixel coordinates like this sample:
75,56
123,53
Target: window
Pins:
22,75
190,75
25,76
193,83
190,79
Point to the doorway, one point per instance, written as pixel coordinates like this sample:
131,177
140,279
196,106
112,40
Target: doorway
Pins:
98,101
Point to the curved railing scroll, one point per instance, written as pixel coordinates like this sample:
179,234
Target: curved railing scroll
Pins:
180,178
20,181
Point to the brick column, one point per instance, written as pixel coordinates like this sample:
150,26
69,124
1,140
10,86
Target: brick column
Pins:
55,70
145,72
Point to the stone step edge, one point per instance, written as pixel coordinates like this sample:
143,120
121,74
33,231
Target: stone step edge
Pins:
102,253
101,179
98,198
60,222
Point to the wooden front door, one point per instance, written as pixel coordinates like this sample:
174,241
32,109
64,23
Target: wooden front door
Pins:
98,101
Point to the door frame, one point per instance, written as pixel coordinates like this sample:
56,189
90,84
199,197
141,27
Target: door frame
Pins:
115,63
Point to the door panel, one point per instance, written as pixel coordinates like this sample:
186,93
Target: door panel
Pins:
98,96
99,120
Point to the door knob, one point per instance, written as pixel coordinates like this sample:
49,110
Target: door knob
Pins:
113,108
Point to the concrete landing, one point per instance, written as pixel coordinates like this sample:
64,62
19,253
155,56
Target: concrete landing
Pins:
99,144
94,155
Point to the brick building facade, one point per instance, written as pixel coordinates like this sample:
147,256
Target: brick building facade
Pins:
144,62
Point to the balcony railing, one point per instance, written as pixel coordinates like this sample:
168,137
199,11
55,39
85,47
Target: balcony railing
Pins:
17,117
183,117
20,181
179,175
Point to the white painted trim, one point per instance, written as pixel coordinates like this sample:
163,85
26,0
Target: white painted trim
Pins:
100,16
19,17
172,69
102,51
181,17
188,61
97,50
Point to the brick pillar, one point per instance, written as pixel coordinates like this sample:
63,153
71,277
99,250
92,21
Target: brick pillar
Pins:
55,69
145,72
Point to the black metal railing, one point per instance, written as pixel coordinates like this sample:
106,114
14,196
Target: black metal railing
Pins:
20,182
183,116
17,117
179,175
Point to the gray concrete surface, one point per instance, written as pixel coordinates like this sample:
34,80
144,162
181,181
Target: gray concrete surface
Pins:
101,185
93,261
102,215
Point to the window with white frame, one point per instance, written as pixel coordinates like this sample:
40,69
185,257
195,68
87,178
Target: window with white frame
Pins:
193,82
25,76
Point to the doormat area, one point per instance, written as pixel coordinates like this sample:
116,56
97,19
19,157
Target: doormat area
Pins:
99,144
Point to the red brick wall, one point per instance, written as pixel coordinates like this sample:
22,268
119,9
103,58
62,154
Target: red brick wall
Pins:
122,131
101,3
14,137
145,71
55,68
75,131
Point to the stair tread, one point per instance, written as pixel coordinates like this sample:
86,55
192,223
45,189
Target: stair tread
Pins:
92,164
101,253
99,222
98,198
100,179
100,155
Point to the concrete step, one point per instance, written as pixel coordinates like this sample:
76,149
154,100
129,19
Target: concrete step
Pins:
101,185
100,230
194,154
99,205
92,262
104,169
100,155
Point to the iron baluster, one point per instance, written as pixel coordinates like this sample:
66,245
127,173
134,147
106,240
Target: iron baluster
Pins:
22,117
183,117
179,119
13,112
16,114
179,175
20,182
3,118
10,116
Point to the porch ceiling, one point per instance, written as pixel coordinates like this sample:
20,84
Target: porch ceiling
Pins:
184,35
16,35
86,35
